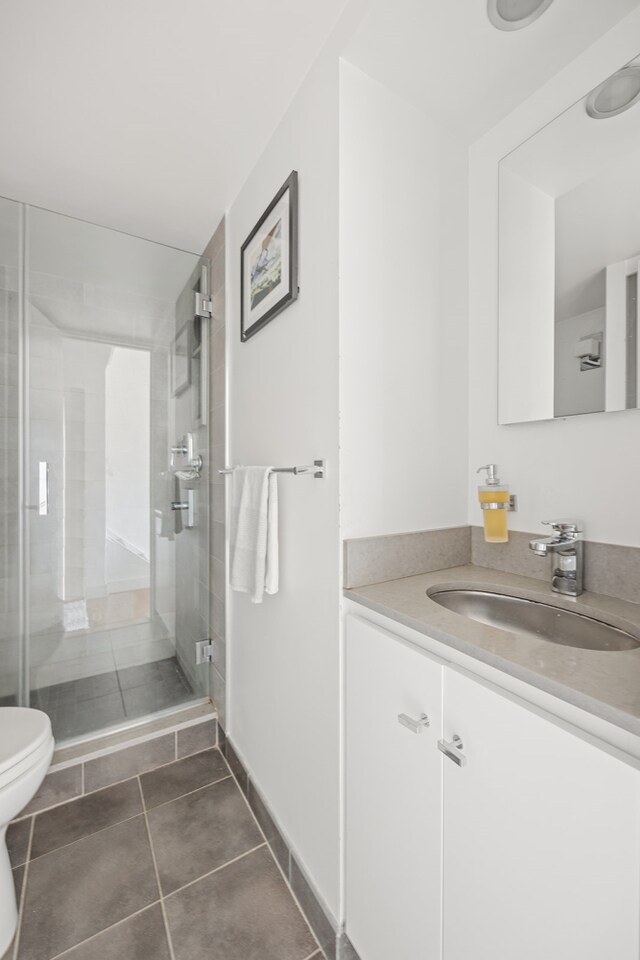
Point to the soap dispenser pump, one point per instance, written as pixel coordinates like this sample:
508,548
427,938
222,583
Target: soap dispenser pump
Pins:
494,500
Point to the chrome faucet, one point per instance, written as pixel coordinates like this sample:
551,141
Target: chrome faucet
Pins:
566,550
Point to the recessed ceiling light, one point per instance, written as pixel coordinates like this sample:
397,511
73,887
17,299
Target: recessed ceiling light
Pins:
515,14
615,95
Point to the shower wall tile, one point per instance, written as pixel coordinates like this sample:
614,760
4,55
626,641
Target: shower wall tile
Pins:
217,540
219,655
217,390
218,348
217,491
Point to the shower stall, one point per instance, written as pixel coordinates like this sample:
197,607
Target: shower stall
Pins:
104,460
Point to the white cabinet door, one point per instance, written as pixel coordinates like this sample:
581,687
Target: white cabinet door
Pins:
541,837
393,798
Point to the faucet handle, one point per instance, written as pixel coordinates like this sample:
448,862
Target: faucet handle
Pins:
565,527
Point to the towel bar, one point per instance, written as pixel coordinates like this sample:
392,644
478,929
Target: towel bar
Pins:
316,469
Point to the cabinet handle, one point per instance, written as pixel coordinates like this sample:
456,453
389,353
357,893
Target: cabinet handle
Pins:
416,726
452,749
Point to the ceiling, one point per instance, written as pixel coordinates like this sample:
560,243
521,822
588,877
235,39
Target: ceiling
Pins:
147,115
446,57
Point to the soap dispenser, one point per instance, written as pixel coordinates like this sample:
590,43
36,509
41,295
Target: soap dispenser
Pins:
494,500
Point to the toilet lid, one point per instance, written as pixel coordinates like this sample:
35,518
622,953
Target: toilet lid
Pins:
22,731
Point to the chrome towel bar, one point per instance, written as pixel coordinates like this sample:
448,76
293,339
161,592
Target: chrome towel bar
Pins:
315,469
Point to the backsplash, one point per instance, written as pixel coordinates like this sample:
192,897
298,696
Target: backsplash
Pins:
376,559
610,569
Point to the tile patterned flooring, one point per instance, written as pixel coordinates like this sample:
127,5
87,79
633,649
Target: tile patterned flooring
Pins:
168,865
77,707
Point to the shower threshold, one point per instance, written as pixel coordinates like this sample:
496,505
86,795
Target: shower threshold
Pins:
74,750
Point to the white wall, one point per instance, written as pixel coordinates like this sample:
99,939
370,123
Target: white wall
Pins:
283,714
586,466
403,310
127,425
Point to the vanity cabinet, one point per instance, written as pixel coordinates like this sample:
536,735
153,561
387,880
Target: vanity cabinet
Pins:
541,837
530,848
394,796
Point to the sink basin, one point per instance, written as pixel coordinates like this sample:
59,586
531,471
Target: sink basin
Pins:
535,619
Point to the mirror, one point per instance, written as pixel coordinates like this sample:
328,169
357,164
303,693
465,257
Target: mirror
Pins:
569,251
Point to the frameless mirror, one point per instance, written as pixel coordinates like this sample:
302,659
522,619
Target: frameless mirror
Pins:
569,251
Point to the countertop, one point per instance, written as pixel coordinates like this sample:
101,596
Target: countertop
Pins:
604,683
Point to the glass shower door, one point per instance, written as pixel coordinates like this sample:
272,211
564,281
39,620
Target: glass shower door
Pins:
108,557
10,462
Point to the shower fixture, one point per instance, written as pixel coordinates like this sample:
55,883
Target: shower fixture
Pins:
191,468
615,95
515,14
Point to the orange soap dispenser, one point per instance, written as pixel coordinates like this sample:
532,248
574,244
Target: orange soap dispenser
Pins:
494,500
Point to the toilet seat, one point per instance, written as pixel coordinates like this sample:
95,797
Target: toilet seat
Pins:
25,737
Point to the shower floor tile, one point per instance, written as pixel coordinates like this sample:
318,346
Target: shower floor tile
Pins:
121,875
77,707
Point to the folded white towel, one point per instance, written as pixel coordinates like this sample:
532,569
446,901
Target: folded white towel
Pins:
254,531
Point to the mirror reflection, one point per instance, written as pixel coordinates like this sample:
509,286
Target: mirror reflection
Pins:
569,254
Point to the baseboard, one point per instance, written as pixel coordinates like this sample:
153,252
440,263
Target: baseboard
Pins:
332,939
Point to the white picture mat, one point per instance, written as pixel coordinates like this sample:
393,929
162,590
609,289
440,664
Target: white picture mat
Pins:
279,212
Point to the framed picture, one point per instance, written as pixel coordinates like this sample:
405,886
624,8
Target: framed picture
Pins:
180,362
269,261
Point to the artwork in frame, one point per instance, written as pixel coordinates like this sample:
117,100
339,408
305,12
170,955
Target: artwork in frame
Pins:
269,261
180,362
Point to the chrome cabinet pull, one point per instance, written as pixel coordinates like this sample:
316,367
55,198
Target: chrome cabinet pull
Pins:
452,749
43,488
416,726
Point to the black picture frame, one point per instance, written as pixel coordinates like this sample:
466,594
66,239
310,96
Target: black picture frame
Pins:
277,225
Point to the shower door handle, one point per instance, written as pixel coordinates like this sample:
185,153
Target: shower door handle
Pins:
43,488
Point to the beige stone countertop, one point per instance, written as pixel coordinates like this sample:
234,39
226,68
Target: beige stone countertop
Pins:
604,683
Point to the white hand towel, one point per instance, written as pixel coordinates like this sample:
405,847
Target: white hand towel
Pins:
254,531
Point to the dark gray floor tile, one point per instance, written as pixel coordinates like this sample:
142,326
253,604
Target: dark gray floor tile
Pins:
159,695
243,912
141,937
18,841
176,779
314,913
90,688
56,788
149,673
98,713
200,832
129,762
201,736
18,879
80,818
276,842
79,890
236,766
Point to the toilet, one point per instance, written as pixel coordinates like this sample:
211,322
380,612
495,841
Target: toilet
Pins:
26,748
